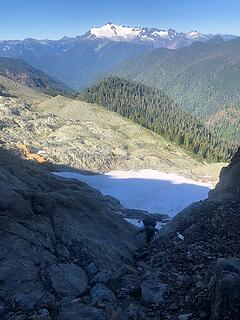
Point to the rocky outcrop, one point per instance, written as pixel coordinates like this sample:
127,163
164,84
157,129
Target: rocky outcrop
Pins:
191,268
228,186
226,290
55,236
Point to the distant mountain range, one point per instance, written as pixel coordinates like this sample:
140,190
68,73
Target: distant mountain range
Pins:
156,37
202,75
79,61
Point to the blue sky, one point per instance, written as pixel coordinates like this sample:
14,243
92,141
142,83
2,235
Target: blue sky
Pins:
54,19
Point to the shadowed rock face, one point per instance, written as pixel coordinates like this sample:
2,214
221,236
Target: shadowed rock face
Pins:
226,290
51,230
229,185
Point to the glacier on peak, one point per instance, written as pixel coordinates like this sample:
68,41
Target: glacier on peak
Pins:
125,33
113,31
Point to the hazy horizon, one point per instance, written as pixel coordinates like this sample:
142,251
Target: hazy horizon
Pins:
132,26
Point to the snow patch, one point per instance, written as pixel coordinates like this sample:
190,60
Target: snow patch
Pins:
193,34
6,48
180,236
124,33
113,31
138,223
161,34
149,190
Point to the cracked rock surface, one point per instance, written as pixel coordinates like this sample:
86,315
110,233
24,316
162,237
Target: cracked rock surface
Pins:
52,231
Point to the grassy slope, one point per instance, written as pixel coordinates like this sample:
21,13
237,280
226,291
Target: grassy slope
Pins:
26,94
128,145
89,137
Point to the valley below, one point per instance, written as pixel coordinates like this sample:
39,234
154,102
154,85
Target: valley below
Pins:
112,154
81,173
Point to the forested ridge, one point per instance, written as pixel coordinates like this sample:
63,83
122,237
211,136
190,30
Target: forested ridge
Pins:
154,110
203,79
21,72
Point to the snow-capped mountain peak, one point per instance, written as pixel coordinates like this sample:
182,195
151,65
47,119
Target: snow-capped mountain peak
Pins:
116,32
194,34
161,33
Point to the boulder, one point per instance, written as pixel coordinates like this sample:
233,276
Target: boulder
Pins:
68,279
102,296
228,186
18,279
226,290
104,276
44,314
153,291
92,269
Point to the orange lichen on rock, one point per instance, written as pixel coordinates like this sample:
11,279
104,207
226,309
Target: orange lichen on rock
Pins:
30,156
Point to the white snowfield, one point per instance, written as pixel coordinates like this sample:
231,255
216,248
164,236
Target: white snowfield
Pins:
139,223
125,33
150,190
112,31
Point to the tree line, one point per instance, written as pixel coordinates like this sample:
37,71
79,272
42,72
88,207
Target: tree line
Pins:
154,110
